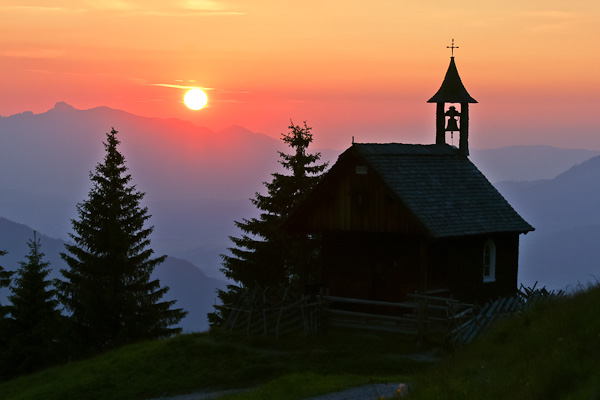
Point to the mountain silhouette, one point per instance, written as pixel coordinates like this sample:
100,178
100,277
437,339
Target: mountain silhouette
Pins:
165,156
565,211
570,199
527,163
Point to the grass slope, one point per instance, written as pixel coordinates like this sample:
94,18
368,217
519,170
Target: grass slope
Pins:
291,368
552,351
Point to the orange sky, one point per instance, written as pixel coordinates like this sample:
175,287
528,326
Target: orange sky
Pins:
350,68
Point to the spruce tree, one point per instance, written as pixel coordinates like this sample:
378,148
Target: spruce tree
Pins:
35,319
5,279
108,290
264,255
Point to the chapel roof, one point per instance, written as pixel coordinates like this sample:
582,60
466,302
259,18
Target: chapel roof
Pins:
445,191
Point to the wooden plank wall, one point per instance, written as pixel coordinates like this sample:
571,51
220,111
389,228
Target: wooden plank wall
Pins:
359,202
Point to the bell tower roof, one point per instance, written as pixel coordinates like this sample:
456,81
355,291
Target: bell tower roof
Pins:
452,89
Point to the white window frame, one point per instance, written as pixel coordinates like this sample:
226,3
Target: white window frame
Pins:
489,261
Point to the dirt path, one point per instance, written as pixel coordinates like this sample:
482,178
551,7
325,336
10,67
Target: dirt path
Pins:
367,392
205,395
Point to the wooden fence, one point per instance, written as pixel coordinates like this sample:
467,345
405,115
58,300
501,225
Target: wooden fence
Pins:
422,315
481,321
488,314
273,312
282,311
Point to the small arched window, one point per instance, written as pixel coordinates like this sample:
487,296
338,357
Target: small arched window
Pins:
489,261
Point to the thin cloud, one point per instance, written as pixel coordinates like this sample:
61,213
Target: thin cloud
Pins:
168,85
230,101
155,13
113,5
201,5
162,8
234,91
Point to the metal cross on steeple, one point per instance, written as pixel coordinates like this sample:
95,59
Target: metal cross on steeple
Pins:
452,47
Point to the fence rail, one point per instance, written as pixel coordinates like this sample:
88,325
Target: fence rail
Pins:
423,314
282,311
272,311
497,309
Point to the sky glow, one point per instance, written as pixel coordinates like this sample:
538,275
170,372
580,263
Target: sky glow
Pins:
349,68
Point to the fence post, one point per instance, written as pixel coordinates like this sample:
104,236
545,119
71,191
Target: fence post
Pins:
264,312
421,321
249,320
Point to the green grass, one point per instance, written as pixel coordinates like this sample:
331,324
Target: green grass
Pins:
551,351
290,368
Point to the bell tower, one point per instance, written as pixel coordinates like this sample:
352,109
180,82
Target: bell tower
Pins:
452,120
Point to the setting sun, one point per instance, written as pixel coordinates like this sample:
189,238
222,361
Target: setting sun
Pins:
195,99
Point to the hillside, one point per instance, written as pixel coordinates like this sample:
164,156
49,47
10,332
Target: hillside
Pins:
564,211
562,202
548,352
297,368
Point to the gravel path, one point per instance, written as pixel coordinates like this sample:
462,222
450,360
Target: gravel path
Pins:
367,392
202,395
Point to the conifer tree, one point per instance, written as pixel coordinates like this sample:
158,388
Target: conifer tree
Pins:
264,255
35,319
5,279
108,289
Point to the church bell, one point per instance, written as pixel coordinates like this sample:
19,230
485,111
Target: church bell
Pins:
452,122
452,125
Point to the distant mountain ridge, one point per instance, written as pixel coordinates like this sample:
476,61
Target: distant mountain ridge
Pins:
565,201
527,163
566,213
159,152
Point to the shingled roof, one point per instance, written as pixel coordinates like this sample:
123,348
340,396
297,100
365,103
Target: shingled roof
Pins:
445,191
